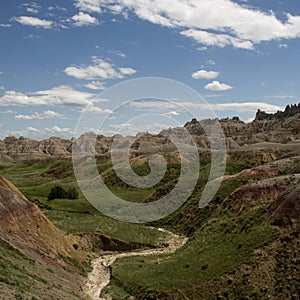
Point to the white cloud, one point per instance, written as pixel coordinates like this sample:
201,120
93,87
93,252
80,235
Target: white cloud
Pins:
281,97
156,106
245,107
219,40
31,36
217,86
32,10
96,110
83,19
118,53
283,46
203,74
48,114
51,8
213,95
234,107
5,25
133,129
240,25
100,69
95,85
127,71
33,21
33,129
57,129
211,62
89,5
62,95
178,106
172,113
37,133
8,111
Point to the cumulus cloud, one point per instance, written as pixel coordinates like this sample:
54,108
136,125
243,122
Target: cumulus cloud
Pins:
217,86
283,46
127,71
32,10
172,113
57,129
5,25
48,114
203,74
95,85
241,26
100,69
37,133
96,110
33,129
133,129
62,95
33,21
89,5
219,40
31,7
84,19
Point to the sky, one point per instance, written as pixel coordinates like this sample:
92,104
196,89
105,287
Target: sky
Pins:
60,60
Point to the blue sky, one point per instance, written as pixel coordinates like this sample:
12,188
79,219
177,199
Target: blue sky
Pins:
57,56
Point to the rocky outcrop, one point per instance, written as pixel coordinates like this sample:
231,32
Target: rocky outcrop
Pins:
24,226
290,110
24,148
285,211
258,194
95,242
280,128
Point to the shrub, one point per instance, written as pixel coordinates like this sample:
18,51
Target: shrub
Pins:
58,192
72,193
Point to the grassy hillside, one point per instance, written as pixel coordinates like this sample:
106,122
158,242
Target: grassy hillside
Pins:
23,278
219,246
35,180
224,248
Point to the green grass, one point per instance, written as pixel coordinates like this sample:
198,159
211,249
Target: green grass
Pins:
227,187
216,246
129,193
27,277
36,179
13,266
73,222
190,217
219,247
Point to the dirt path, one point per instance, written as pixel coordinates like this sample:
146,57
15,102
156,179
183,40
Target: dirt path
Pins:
99,277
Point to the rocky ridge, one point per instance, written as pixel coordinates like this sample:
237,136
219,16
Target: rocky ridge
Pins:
279,128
